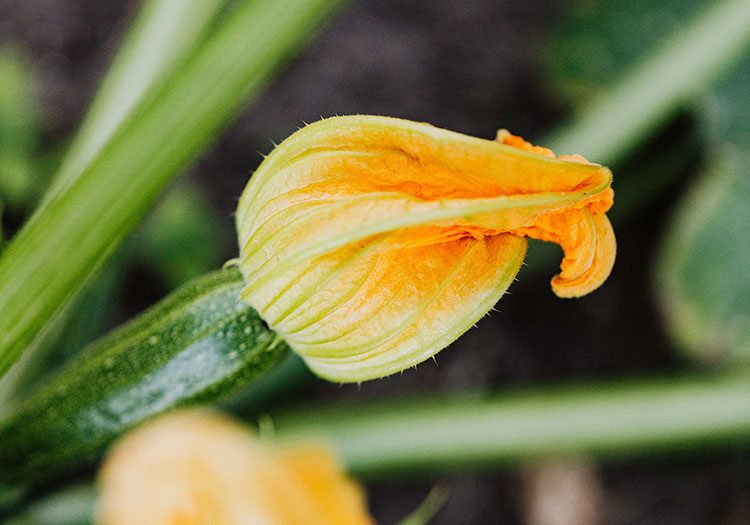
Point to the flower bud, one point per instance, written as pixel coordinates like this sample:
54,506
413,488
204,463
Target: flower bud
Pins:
198,467
371,243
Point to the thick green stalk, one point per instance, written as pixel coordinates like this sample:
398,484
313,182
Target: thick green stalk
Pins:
676,73
63,244
198,345
164,34
602,419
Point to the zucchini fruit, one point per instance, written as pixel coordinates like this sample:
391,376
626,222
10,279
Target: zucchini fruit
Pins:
198,345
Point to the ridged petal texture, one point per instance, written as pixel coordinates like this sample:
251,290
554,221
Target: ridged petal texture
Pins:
194,468
371,243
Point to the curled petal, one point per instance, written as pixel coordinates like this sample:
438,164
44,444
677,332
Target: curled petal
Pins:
370,243
589,246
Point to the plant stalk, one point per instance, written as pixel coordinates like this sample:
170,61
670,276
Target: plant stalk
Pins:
606,420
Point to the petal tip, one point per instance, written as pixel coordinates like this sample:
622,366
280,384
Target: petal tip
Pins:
599,269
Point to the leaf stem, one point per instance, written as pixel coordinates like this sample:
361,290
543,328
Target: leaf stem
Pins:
610,420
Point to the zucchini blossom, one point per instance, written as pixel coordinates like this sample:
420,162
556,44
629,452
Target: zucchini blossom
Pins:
371,243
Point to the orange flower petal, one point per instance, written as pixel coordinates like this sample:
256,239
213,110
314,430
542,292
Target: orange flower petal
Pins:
193,468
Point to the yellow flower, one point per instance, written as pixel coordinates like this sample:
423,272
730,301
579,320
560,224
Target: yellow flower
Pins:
371,243
195,468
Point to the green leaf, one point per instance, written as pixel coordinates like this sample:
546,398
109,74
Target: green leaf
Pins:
19,130
668,76
726,110
164,35
198,345
702,281
71,506
77,324
182,238
78,228
595,41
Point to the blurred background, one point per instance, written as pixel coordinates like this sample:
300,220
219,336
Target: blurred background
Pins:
674,302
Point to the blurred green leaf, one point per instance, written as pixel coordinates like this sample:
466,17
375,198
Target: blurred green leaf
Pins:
19,130
163,35
79,323
596,40
726,110
182,238
642,60
675,73
702,280
73,505
632,82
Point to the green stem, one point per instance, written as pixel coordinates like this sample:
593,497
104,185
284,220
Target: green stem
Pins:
637,417
198,345
678,72
75,232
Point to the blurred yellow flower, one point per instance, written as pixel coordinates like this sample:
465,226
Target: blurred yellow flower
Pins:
196,468
371,243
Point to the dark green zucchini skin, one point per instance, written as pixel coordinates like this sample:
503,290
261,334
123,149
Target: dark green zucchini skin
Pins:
198,345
